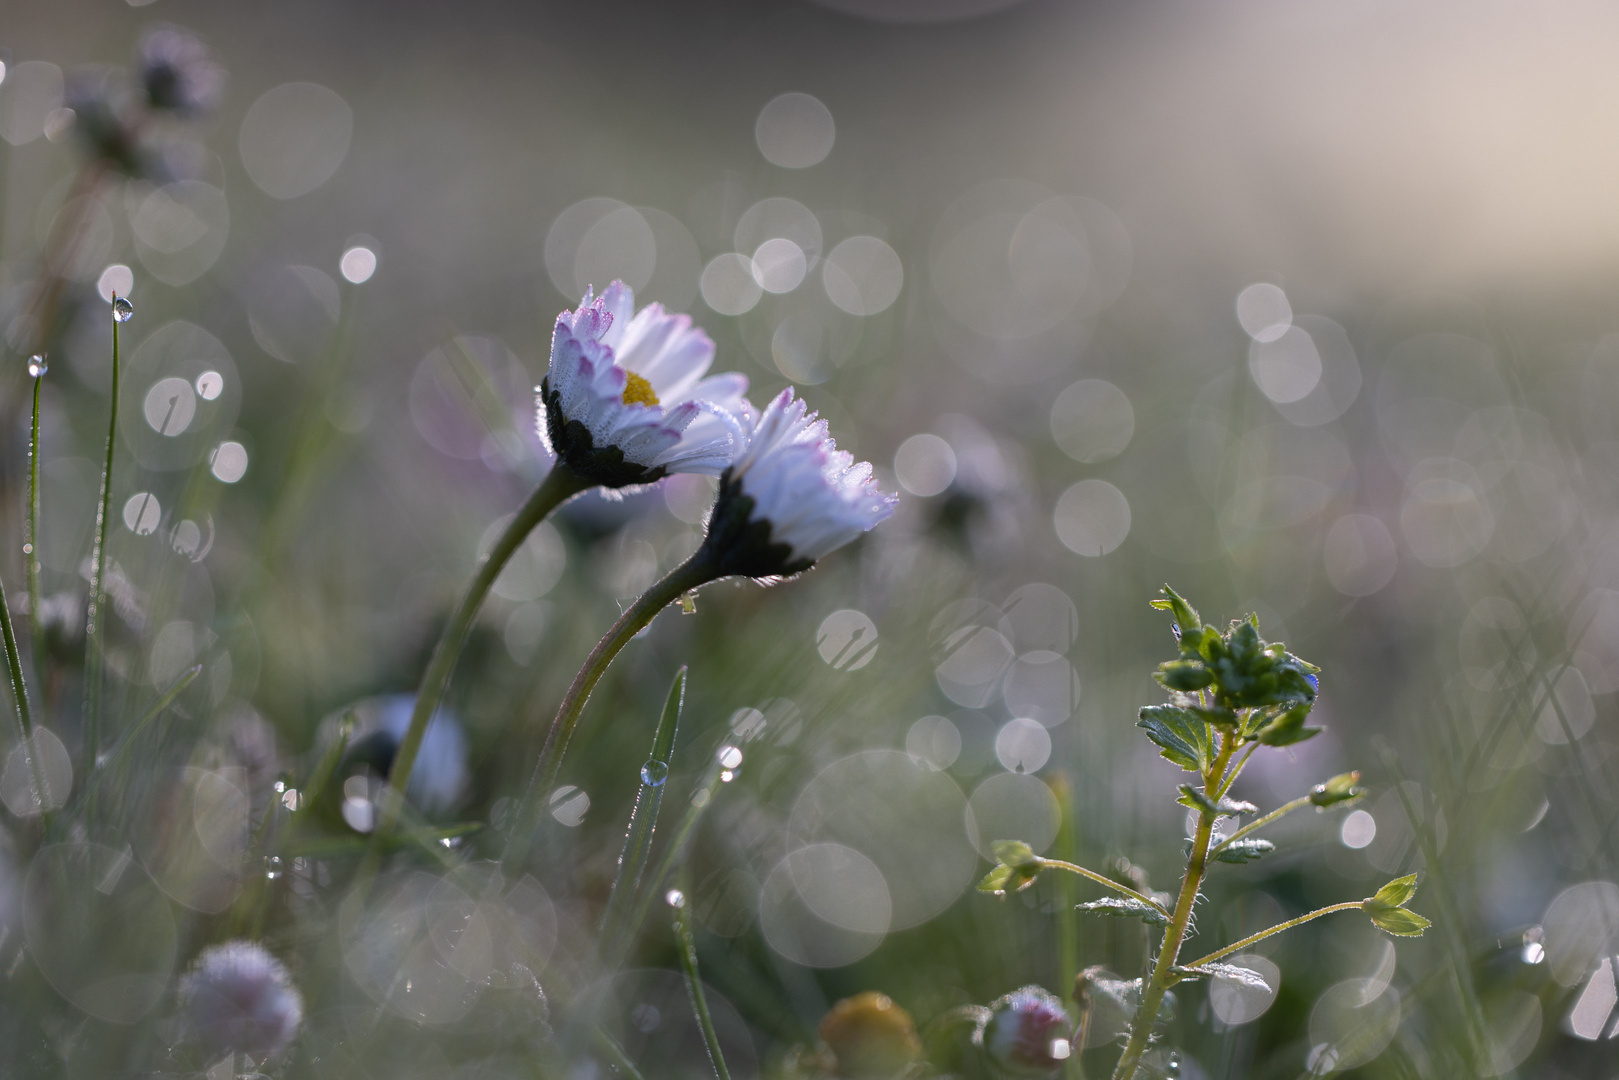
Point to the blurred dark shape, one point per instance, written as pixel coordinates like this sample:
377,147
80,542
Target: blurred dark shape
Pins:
61,617
239,998
440,775
870,1036
102,124
1028,1032
917,11
177,73
982,508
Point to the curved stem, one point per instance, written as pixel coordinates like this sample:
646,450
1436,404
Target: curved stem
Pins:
1348,905
1231,778
562,484
1100,879
93,622
1259,823
1175,933
690,574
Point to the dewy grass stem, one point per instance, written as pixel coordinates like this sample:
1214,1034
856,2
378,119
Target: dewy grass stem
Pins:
19,692
1152,993
36,625
94,615
690,574
562,484
686,945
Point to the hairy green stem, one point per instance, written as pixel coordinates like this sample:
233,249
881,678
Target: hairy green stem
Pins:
94,616
1101,879
692,573
1259,823
1217,954
1152,994
562,484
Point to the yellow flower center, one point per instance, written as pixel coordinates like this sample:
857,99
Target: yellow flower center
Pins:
637,391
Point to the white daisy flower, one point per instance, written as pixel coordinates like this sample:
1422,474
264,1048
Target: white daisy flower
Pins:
790,497
628,398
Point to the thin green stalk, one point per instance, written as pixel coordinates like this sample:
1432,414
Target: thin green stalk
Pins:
1259,823
93,623
689,575
115,757
614,1053
672,854
30,550
1101,879
19,693
562,484
1219,954
687,947
643,818
1158,984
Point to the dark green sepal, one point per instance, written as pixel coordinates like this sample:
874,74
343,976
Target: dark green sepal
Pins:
737,544
1198,799
571,442
1339,789
1126,907
1244,851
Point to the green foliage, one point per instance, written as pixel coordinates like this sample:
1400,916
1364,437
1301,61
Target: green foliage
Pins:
1340,789
1246,976
1197,799
1245,850
1125,907
1388,911
1182,736
1016,867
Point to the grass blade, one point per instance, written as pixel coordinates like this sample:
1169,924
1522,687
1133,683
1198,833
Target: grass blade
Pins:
94,615
687,948
19,693
644,817
30,550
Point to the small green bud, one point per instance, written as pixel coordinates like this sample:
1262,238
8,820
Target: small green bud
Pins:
1187,676
1340,788
1016,868
1388,911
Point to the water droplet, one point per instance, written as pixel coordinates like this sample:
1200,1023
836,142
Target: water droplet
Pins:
654,772
28,549
726,776
210,384
122,310
37,365
675,898
272,867
729,757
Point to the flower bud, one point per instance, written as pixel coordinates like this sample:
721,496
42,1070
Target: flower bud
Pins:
870,1036
1028,1032
239,998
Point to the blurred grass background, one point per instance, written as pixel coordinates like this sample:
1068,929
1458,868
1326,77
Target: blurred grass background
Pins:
1400,454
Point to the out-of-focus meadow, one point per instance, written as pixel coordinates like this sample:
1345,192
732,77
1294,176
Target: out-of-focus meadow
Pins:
1307,310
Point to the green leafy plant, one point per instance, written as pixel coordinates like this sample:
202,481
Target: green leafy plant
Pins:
1231,693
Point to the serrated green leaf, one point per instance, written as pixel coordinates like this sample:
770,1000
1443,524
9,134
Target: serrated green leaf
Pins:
1198,799
1182,737
1126,907
1397,893
1244,851
1398,921
1339,789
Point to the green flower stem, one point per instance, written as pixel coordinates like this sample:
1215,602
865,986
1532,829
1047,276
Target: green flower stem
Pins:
691,574
94,622
36,626
562,484
1175,933
1218,954
1100,879
1260,823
